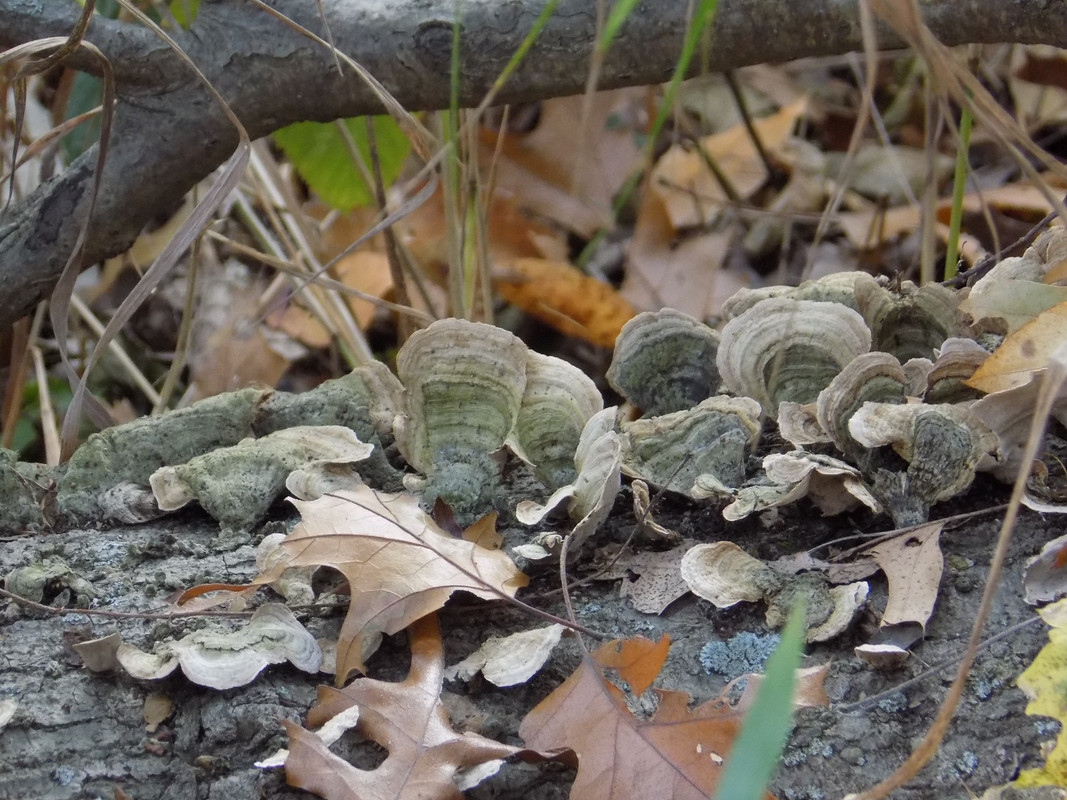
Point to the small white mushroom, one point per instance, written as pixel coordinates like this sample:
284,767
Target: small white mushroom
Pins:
223,659
724,574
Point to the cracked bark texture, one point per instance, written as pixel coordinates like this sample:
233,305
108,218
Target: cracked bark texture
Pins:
169,135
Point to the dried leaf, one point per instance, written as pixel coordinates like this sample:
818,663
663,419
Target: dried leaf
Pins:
408,720
1044,683
677,753
1023,352
565,298
399,564
808,689
912,563
664,272
691,192
638,661
659,582
561,172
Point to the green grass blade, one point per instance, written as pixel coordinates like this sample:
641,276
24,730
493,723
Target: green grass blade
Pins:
619,13
959,185
702,18
758,747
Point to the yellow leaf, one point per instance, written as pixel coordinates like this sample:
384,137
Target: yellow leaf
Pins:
1045,683
565,298
1023,352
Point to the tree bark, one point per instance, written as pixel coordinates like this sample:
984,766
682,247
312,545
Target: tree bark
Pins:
169,134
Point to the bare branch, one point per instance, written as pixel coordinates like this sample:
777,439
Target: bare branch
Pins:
169,135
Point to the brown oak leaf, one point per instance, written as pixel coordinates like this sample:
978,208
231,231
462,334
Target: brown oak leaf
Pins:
408,720
676,754
399,564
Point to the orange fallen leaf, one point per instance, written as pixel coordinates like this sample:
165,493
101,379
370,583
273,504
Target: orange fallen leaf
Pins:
690,191
1023,352
399,564
565,298
677,753
638,661
408,720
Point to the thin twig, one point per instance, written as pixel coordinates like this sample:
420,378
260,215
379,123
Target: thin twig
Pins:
103,612
990,260
867,702
884,536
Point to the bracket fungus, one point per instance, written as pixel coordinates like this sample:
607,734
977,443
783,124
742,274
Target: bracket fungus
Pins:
942,444
463,386
785,349
237,485
664,361
696,451
558,401
910,321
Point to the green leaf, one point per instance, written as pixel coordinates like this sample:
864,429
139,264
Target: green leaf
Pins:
758,747
184,11
86,93
321,156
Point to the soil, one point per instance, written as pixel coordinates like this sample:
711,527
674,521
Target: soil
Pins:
79,734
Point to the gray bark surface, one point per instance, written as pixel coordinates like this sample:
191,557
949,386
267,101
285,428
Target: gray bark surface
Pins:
78,735
169,134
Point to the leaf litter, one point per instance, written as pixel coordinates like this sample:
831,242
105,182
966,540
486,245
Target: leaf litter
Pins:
440,583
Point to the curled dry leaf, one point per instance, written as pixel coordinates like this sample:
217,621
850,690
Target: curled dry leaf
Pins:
223,659
1045,578
1022,353
399,564
912,563
1014,292
1009,413
408,720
